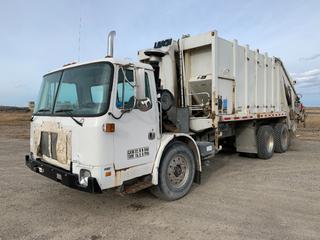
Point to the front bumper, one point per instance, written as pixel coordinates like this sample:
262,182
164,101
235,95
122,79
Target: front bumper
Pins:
60,175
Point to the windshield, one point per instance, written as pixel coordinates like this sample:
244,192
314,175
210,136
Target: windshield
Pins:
83,90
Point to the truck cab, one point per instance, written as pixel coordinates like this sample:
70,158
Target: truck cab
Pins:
97,126
87,115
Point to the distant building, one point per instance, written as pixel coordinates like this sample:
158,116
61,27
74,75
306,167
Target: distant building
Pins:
31,105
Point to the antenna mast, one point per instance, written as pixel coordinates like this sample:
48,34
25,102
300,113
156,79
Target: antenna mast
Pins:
79,39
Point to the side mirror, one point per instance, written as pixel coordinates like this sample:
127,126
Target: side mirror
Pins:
143,104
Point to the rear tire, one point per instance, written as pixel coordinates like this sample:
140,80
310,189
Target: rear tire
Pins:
265,142
176,173
281,138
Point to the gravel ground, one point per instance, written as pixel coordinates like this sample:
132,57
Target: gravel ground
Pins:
240,198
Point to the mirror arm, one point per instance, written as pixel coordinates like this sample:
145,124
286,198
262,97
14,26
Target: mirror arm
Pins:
122,112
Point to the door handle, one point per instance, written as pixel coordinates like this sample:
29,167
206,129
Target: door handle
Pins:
151,135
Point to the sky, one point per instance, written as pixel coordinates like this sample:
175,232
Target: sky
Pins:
38,36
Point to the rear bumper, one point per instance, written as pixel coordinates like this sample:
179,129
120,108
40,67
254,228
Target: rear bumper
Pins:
60,175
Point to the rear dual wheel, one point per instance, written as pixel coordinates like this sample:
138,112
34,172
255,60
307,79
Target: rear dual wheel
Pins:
281,137
265,142
272,139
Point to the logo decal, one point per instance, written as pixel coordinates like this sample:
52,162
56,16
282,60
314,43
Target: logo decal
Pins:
138,152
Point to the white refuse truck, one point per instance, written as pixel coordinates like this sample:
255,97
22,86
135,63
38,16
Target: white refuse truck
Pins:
117,124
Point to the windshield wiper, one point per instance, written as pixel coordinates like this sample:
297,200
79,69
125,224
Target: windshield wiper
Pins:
40,110
43,110
68,112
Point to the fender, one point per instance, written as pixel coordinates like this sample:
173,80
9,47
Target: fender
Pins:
166,138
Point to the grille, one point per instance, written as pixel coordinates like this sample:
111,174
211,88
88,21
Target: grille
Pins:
48,144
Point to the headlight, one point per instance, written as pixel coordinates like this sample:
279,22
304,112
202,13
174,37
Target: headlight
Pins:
84,176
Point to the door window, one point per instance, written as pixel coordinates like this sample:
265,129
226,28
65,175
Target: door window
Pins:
125,89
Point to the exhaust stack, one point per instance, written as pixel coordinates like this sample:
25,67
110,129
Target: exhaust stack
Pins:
111,36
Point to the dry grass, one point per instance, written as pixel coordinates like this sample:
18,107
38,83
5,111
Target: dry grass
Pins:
311,131
313,121
14,118
15,124
313,117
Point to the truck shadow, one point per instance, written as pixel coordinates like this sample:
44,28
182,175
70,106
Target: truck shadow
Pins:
214,165
109,201
218,164
99,204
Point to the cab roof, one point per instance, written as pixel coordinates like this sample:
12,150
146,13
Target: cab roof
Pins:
107,59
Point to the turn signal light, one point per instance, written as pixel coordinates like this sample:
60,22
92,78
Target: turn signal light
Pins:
108,127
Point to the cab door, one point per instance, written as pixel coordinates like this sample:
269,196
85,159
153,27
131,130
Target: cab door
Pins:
136,135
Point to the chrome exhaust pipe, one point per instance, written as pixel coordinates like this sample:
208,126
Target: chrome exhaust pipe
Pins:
111,36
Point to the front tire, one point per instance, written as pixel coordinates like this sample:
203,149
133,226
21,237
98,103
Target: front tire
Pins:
265,142
176,172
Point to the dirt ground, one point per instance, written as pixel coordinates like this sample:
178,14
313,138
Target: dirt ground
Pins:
239,198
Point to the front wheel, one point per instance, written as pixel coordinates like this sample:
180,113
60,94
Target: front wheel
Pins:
176,173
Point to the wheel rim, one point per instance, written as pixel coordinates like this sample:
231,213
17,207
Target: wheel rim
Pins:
178,171
270,143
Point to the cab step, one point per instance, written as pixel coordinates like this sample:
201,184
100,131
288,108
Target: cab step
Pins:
135,186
